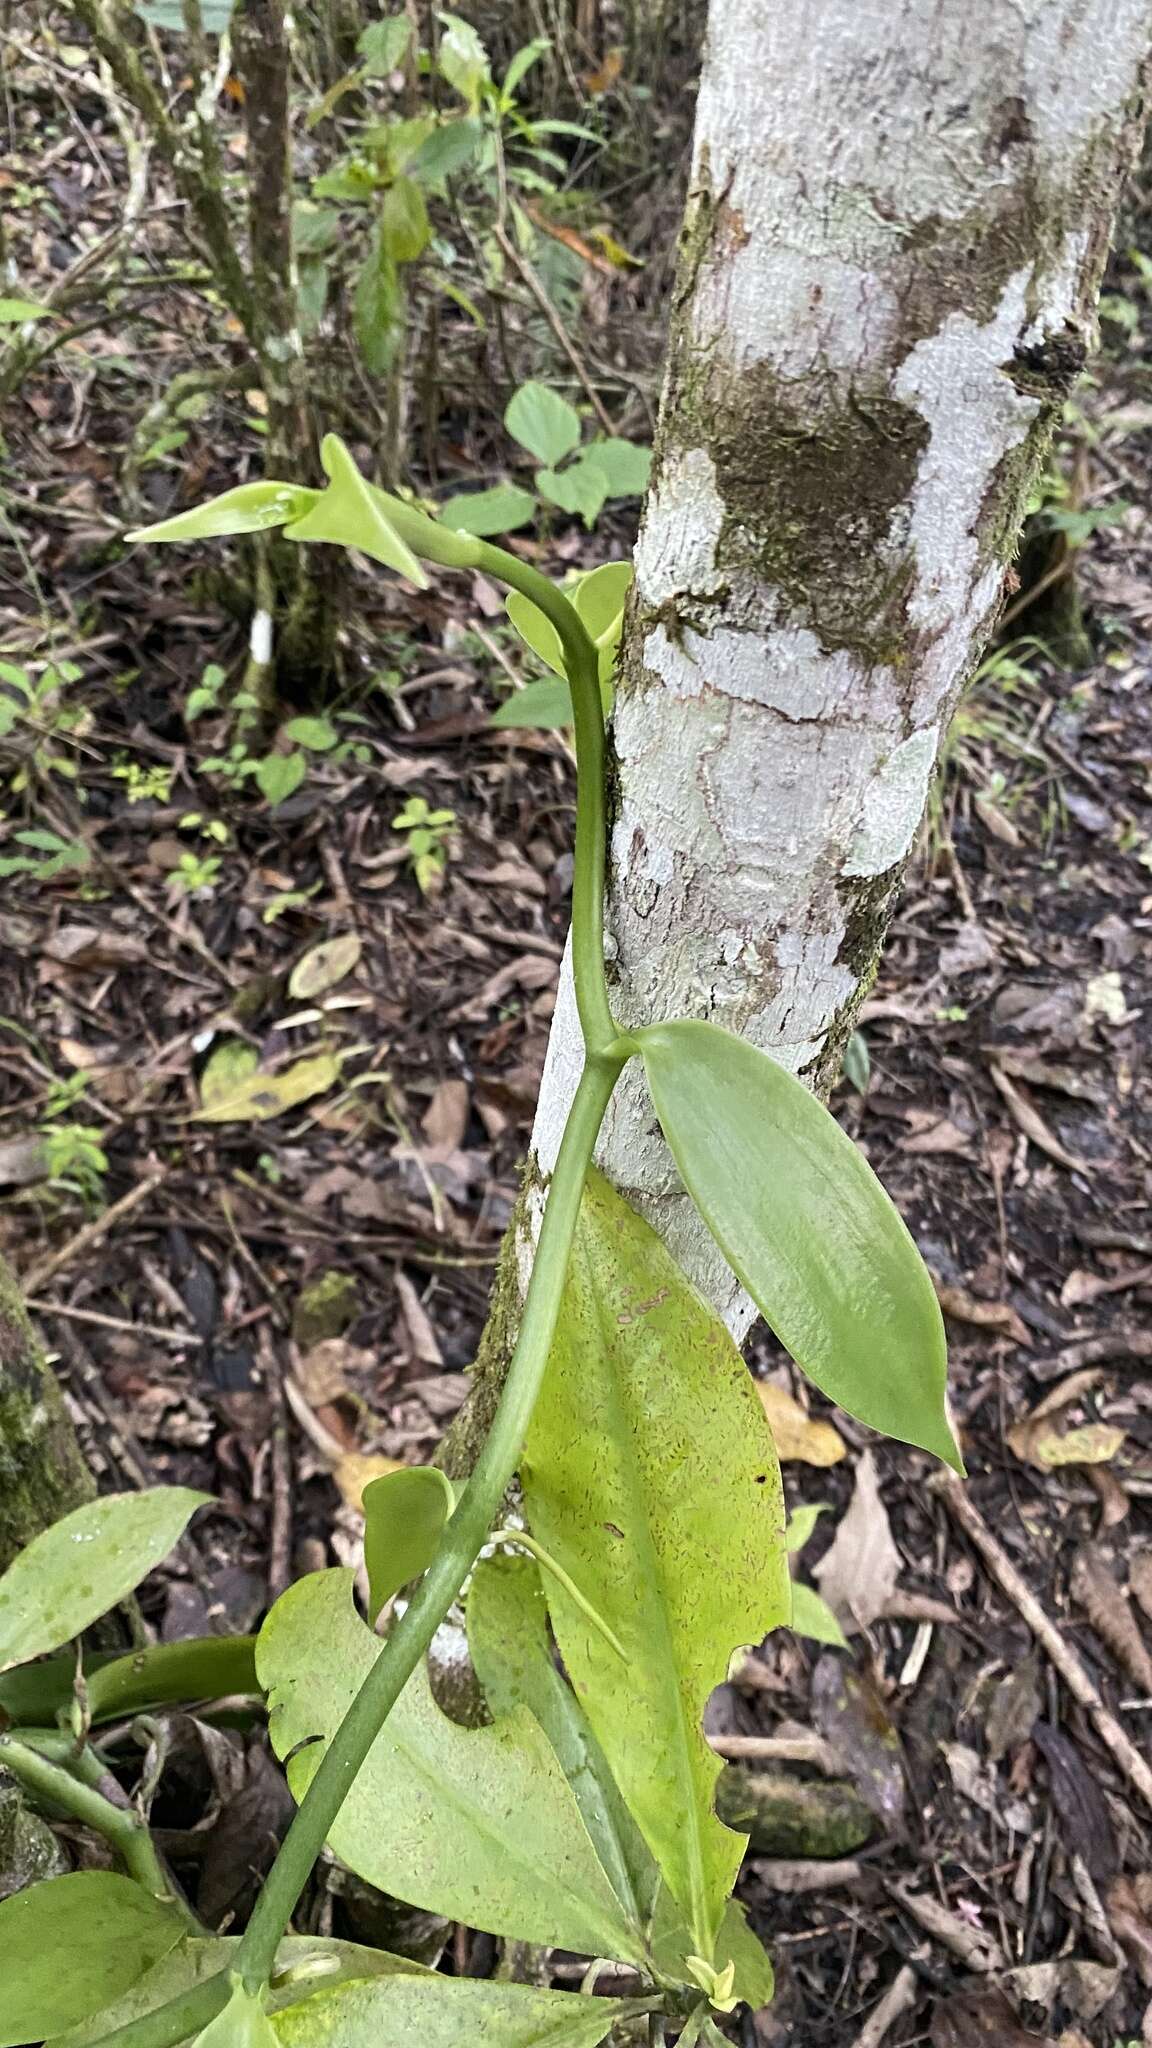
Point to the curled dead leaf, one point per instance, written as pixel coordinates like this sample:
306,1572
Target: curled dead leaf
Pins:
858,1574
798,1436
985,1315
1109,1610
323,966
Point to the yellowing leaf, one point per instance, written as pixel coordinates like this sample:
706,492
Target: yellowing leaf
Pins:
255,1096
645,1395
324,965
357,1469
228,1068
1096,1443
479,1824
799,1438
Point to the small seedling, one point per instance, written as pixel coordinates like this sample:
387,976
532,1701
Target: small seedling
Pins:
427,833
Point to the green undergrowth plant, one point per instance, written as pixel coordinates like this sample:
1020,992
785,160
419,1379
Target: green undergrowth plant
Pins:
579,477
646,1546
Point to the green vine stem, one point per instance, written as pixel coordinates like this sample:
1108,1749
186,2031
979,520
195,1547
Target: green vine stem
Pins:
75,1792
606,1051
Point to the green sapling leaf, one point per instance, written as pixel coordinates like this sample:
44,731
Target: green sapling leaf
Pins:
242,2024
85,1564
70,1945
543,423
806,1226
578,489
449,2012
250,508
645,1399
404,1518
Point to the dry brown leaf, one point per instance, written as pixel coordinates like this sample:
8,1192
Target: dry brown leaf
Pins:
23,1161
1128,1919
858,1574
323,1369
323,966
445,1121
985,1315
1039,1439
1140,1580
1033,1125
799,1437
981,2019
849,1713
422,1344
1108,1609
937,1134
86,947
1114,1502
355,1469
1085,1987
1081,1286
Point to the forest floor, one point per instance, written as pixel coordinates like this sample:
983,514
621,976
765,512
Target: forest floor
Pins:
302,1088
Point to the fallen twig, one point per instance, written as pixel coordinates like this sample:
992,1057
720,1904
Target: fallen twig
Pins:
91,1234
1060,1654
782,1749
896,2000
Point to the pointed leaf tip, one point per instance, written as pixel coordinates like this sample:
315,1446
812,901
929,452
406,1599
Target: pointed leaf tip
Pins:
806,1227
250,508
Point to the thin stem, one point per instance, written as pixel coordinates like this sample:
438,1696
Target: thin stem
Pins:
464,1538
545,1558
582,663
120,1826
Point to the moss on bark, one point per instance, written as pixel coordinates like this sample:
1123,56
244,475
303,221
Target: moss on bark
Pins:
42,1470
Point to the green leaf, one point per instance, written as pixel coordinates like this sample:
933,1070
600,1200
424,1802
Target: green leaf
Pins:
354,515
508,1639
624,466
467,1810
812,1616
71,1944
302,1962
536,630
250,508
404,229
449,149
801,1523
378,307
599,599
243,2023
806,1226
578,489
463,60
543,423
279,775
14,312
383,45
229,1066
499,510
404,1518
736,1943
523,61
545,706
85,1564
447,2012
857,1068
319,735
645,1399
313,278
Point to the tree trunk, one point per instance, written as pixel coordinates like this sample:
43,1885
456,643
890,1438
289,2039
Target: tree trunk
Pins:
898,216
42,1469
304,589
